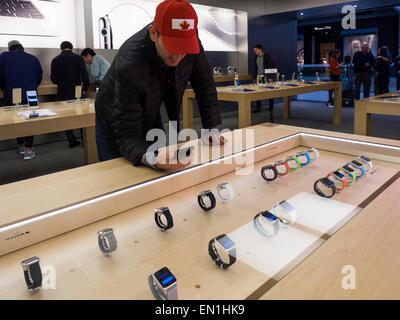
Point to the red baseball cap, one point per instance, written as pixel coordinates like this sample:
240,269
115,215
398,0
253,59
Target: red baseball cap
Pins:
176,21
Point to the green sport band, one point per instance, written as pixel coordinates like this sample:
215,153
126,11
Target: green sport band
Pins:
288,159
350,174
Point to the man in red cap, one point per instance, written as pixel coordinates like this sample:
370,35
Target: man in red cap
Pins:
152,67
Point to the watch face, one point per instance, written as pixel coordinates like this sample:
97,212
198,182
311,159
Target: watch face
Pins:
338,174
225,242
347,168
285,205
269,216
326,181
365,158
356,163
165,277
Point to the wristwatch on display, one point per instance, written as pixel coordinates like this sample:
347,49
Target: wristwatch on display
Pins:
327,183
285,212
107,241
367,161
313,151
340,178
163,285
32,273
301,155
269,173
269,218
293,163
221,188
206,194
280,164
358,167
224,243
350,173
163,211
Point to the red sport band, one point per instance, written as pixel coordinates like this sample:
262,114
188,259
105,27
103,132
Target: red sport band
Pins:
282,163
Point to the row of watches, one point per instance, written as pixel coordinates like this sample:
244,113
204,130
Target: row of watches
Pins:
343,177
292,163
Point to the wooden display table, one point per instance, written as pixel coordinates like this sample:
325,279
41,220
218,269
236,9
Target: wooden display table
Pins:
244,100
374,105
69,116
43,90
67,209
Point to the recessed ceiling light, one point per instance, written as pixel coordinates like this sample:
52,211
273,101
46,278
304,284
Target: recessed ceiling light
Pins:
302,13
355,6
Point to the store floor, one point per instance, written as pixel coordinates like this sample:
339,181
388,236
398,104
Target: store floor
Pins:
56,156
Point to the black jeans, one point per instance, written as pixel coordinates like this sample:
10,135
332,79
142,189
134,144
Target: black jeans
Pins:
106,147
27,141
363,78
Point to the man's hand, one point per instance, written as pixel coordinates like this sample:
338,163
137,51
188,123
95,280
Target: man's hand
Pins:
367,65
166,161
215,139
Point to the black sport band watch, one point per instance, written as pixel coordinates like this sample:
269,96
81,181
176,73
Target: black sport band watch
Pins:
266,170
206,194
326,182
163,211
222,242
32,273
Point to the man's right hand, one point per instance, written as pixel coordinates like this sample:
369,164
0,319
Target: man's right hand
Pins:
166,161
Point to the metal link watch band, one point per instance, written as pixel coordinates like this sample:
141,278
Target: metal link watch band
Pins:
107,241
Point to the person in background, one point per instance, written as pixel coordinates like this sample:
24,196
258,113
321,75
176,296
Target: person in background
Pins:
19,69
68,71
334,67
363,62
397,70
381,69
262,61
98,66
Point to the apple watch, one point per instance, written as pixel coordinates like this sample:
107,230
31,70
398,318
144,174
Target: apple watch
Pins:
223,188
339,178
358,167
206,194
302,155
350,173
326,183
269,172
293,163
163,211
314,152
163,285
285,212
224,243
367,161
269,218
107,241
32,273
282,164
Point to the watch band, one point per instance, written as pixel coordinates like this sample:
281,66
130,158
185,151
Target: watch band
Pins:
261,230
163,211
299,155
107,241
291,213
343,181
212,251
282,163
361,169
161,293
367,161
328,183
291,159
32,273
313,151
228,187
352,175
208,194
265,169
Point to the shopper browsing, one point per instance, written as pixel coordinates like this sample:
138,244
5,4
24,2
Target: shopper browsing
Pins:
98,65
363,62
381,76
334,67
152,67
22,70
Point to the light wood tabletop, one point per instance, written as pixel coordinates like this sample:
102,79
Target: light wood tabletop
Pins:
278,90
386,104
69,116
262,266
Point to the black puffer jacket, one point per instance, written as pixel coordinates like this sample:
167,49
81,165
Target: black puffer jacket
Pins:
129,99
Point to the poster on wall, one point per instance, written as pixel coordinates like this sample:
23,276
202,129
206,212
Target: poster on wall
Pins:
116,21
352,44
37,23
